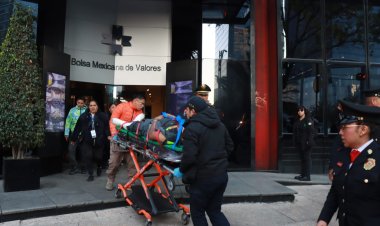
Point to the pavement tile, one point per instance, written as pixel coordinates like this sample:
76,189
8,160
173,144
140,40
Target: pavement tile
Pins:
63,190
19,202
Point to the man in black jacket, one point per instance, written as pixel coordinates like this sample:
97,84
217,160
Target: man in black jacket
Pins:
206,146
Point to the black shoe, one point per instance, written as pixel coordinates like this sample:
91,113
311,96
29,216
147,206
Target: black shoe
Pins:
304,179
74,171
90,178
298,177
98,171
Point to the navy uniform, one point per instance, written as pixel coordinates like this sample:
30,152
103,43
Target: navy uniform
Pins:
355,190
372,98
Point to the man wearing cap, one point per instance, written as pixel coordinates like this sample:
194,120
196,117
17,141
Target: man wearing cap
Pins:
372,97
355,190
206,146
202,91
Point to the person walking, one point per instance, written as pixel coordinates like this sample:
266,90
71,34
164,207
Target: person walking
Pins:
71,120
355,189
92,131
206,147
303,136
371,98
127,112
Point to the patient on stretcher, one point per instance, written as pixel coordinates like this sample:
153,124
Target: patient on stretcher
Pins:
166,128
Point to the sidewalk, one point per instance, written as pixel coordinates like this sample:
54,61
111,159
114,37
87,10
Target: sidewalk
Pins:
63,193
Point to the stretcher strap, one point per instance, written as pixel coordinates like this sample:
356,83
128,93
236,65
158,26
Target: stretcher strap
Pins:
180,121
147,136
121,126
137,130
157,133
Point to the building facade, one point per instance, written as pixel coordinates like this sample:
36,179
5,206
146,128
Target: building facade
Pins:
262,58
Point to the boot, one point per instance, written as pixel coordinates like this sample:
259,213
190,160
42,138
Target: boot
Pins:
109,185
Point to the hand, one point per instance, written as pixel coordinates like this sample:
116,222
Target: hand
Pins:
109,137
321,223
331,174
177,173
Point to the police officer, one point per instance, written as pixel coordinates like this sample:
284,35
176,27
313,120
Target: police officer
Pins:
303,135
355,190
202,91
372,97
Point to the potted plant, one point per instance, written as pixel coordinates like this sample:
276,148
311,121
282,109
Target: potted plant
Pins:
21,101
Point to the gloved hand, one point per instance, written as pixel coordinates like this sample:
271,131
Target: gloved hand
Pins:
115,138
177,173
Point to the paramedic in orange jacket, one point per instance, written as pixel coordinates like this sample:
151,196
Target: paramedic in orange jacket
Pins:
126,111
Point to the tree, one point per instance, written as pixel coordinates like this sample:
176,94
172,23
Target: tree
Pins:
21,97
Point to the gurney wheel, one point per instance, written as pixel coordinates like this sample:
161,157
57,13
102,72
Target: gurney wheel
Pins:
148,223
185,218
170,183
118,194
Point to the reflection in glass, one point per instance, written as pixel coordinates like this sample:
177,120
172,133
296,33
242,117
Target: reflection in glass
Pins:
374,77
301,23
300,87
345,30
342,84
226,69
374,31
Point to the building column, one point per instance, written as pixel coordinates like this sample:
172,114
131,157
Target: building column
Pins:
266,140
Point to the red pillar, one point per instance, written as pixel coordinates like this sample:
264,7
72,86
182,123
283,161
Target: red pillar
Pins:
265,30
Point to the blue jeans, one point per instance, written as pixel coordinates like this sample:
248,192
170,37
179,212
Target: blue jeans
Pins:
206,196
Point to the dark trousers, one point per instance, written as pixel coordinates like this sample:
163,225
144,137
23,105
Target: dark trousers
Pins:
305,154
206,196
91,155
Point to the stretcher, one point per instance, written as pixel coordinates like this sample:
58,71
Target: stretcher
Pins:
154,197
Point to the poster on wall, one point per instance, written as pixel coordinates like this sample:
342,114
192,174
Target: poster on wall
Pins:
55,102
180,93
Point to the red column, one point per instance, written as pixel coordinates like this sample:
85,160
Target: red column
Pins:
265,30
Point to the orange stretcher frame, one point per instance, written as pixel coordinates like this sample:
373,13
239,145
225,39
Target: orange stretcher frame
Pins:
154,191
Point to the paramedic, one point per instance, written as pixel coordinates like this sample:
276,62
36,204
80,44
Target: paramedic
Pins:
126,111
206,146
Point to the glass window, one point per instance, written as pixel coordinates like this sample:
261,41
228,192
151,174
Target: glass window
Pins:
226,69
301,86
345,30
374,31
301,22
343,83
374,75
6,9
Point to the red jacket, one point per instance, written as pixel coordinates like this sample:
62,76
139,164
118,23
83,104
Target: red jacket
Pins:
124,111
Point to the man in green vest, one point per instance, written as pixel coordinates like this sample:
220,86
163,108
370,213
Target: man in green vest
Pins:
71,121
